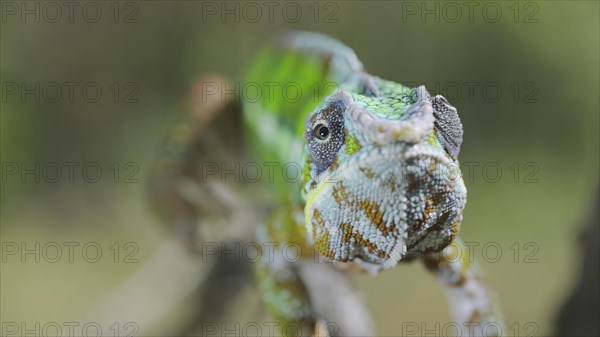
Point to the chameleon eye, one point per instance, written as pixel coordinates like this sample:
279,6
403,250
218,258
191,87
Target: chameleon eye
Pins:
325,134
321,131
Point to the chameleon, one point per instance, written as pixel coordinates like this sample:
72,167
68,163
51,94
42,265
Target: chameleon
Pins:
378,180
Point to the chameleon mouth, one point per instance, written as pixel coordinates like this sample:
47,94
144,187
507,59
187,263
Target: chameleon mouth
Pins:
364,212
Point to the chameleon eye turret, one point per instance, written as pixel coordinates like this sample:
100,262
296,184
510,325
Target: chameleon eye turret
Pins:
325,135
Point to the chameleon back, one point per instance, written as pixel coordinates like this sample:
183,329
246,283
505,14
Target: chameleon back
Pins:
286,82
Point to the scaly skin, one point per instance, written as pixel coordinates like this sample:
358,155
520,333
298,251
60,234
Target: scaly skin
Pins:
381,183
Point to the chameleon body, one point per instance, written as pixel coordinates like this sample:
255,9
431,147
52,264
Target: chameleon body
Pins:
379,185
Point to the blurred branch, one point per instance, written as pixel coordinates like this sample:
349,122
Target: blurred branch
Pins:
338,305
154,290
171,275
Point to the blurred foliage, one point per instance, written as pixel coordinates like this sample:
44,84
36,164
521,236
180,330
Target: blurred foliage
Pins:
171,45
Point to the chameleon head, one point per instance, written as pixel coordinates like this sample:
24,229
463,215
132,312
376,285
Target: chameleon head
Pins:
381,178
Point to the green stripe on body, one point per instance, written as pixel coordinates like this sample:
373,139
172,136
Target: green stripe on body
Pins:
275,124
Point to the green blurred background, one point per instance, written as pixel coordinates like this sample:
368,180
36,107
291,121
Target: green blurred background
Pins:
544,56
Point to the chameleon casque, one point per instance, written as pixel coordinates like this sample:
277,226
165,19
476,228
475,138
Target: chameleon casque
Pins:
379,183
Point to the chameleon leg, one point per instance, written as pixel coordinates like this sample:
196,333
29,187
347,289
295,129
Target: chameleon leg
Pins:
305,295
283,291
473,304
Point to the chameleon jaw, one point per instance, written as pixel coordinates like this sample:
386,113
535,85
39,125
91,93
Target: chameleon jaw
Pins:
365,211
346,213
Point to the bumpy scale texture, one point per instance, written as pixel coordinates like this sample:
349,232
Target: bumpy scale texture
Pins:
388,190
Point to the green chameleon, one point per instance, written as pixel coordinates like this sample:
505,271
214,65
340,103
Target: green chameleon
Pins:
378,180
